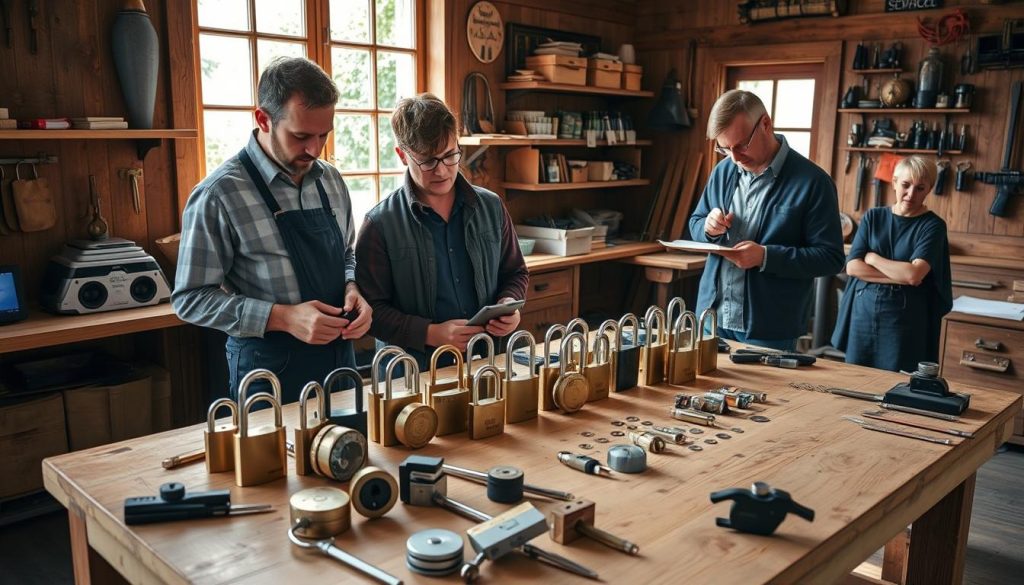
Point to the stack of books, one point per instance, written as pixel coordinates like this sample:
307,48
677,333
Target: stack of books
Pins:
525,75
566,49
99,123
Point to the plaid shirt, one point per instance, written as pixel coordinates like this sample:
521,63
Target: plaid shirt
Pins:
232,262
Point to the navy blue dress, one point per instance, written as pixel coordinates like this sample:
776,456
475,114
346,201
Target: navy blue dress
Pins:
893,327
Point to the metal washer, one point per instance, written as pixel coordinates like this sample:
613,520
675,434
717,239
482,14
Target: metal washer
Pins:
434,552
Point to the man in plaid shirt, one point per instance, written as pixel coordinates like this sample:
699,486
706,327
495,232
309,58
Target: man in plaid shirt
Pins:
266,250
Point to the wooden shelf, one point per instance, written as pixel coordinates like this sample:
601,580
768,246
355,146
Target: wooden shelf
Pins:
520,141
575,186
538,262
875,71
43,329
566,88
899,150
95,134
944,111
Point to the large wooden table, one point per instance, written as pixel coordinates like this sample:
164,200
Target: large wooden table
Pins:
865,487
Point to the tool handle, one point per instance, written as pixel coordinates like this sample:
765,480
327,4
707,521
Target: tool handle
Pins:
357,563
558,561
801,511
607,538
999,204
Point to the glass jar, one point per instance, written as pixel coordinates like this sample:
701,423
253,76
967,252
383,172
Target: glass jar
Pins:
929,79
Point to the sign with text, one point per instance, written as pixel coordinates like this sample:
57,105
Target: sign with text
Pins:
908,5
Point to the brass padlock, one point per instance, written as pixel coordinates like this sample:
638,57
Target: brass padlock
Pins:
626,358
571,388
353,418
520,393
707,347
303,436
260,453
549,372
599,371
655,347
577,323
682,354
449,397
486,416
406,419
490,359
676,304
374,398
219,439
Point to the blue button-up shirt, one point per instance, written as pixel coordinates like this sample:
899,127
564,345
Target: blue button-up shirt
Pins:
456,295
748,210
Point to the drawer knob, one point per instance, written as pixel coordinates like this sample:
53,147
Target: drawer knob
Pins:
989,345
988,363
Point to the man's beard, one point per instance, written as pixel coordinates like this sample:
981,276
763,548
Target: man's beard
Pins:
281,157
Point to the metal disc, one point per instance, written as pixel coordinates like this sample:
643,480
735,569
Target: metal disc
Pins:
759,418
434,545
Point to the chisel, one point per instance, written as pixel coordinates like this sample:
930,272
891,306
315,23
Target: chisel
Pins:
892,431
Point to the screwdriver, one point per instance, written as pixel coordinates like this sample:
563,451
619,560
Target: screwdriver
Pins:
583,463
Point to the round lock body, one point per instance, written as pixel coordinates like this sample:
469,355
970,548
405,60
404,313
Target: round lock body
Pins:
338,452
374,492
416,425
571,392
324,512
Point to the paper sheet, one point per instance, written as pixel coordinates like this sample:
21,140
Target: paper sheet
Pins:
693,246
987,308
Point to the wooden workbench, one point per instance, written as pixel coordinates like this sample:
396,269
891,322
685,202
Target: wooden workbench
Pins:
864,486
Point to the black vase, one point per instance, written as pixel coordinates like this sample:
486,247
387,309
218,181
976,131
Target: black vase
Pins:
136,57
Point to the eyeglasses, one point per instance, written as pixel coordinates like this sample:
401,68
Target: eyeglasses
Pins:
449,160
740,148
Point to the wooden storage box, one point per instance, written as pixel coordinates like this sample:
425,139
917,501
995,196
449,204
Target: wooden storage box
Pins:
604,73
97,415
600,170
522,165
29,432
631,77
560,68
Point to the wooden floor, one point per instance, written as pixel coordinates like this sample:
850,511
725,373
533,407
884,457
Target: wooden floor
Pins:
37,551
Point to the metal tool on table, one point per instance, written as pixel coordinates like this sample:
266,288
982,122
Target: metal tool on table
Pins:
674,434
483,478
692,416
219,439
177,461
174,503
327,547
919,411
434,552
134,175
654,352
760,509
927,391
521,393
575,519
865,424
859,395
627,358
353,418
502,534
646,440
1007,180
260,452
422,482
583,463
886,415
450,397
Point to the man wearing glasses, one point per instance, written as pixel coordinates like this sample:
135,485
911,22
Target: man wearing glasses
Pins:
437,249
779,214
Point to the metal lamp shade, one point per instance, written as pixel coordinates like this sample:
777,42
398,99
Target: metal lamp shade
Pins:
670,112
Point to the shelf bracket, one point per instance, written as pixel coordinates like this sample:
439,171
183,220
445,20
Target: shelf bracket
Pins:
476,154
144,145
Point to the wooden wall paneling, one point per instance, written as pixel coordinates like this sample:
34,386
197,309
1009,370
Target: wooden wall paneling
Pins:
183,82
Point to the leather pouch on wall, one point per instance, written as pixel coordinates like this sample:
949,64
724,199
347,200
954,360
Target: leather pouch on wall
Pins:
10,216
34,203
4,229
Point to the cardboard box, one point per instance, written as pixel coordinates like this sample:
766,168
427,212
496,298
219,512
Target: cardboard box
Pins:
522,165
556,241
604,73
29,432
578,172
97,415
600,170
632,76
560,68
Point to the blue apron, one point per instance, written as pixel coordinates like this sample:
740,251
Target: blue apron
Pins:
310,236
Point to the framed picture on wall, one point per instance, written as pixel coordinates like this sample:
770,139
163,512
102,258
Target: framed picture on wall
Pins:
522,40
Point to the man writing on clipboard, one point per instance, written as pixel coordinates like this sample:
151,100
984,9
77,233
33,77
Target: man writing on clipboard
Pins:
437,249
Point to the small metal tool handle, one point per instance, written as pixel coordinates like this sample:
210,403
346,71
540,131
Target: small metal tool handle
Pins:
460,508
471,570
928,413
607,538
558,561
328,548
480,477
870,396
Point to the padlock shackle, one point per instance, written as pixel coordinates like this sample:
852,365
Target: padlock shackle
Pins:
680,326
487,370
567,350
332,378
627,319
510,362
654,315
578,322
548,337
243,419
602,342
459,364
605,326
311,388
211,413
676,303
252,376
375,366
472,344
411,364
714,324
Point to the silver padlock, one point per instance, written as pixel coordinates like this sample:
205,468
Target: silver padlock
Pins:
353,418
489,359
578,324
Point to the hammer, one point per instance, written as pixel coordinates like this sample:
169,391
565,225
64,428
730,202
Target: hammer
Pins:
574,519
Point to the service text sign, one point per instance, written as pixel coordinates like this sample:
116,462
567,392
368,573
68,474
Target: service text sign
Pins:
907,5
